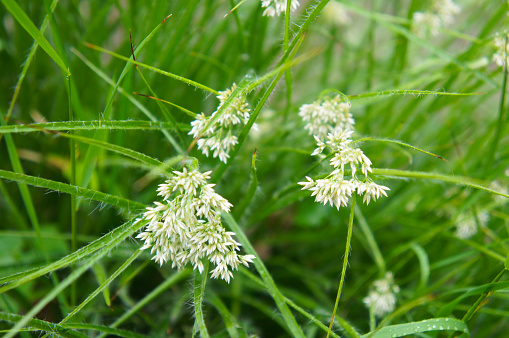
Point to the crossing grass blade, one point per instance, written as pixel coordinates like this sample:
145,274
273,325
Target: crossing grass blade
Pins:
23,19
89,125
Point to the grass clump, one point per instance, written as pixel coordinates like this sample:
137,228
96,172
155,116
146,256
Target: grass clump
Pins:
241,115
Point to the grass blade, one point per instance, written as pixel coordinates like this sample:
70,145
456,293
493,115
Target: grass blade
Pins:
41,325
116,201
31,29
465,181
266,277
428,325
90,125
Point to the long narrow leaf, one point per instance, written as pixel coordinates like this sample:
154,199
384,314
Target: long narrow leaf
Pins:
266,277
116,201
90,125
31,29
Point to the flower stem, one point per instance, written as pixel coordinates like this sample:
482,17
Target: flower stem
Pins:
345,262
200,280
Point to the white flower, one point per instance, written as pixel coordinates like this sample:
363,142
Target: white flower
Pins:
187,228
276,7
498,186
426,21
335,189
466,224
501,55
441,15
446,10
218,137
465,228
329,116
336,13
371,190
381,298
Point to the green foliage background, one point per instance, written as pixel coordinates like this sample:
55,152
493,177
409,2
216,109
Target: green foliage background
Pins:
301,243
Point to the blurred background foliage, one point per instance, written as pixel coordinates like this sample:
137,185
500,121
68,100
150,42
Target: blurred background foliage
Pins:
301,242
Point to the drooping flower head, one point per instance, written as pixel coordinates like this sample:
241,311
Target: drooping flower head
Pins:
381,298
186,227
219,138
501,55
336,189
276,7
440,14
327,116
466,224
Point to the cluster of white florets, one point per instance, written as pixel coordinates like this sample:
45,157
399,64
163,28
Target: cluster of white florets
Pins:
501,56
218,138
466,224
276,7
335,189
441,14
186,227
327,116
381,298
336,13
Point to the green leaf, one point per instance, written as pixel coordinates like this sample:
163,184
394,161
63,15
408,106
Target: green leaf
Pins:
414,93
41,325
100,275
103,287
106,242
31,29
266,277
465,181
428,325
105,329
154,69
116,201
90,125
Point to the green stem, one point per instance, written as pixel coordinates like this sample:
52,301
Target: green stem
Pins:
157,70
72,155
268,282
288,73
200,279
477,305
312,16
345,263
501,117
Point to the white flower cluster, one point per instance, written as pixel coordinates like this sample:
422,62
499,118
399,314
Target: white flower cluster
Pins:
466,225
336,13
441,15
501,56
335,189
276,7
186,227
381,298
330,116
218,137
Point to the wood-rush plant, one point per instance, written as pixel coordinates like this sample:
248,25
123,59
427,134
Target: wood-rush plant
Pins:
217,136
116,102
333,117
186,227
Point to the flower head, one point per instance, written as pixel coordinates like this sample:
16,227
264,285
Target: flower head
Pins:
381,298
501,55
466,224
329,116
218,137
335,189
276,7
441,14
186,228
336,13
